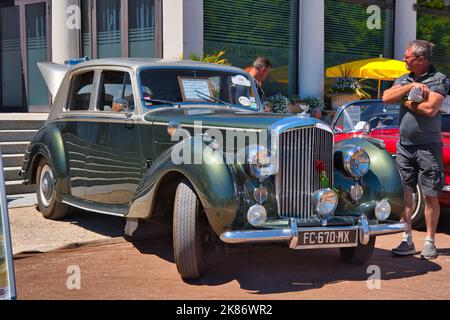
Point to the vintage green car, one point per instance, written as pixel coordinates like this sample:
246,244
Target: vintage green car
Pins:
188,141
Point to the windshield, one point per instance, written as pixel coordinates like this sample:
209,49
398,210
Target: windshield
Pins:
186,86
376,113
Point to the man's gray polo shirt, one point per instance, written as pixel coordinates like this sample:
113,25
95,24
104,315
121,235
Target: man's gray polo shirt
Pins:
416,129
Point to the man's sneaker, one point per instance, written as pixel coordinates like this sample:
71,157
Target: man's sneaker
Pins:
404,249
428,251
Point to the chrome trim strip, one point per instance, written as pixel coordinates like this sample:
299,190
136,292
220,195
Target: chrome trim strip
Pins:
384,229
84,207
256,236
209,127
100,118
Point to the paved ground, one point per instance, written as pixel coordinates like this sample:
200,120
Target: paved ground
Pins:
146,270
31,232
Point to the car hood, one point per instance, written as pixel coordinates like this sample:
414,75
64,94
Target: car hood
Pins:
225,118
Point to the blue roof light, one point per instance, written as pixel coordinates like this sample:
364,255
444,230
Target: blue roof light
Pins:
73,62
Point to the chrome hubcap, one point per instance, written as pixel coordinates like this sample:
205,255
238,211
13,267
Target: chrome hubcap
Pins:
46,184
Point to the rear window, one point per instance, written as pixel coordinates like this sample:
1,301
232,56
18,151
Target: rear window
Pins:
80,92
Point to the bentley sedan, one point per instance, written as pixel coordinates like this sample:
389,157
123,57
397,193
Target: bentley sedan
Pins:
189,142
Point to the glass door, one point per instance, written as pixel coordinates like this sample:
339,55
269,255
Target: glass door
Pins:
11,78
36,51
33,32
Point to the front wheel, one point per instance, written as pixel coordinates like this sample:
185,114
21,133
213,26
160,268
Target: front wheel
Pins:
187,233
45,189
359,254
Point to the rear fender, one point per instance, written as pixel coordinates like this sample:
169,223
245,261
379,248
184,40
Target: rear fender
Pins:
48,143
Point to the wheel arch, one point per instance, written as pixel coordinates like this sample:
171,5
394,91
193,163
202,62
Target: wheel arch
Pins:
48,144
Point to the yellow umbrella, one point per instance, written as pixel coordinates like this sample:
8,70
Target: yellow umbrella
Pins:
375,68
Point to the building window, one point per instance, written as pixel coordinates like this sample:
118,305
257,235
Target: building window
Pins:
108,29
37,51
347,35
121,28
11,88
246,29
142,31
433,24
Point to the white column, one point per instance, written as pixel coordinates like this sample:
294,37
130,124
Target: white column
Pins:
182,28
312,48
66,19
405,26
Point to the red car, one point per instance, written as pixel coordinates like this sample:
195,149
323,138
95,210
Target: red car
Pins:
375,119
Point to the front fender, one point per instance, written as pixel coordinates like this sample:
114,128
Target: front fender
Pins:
383,181
48,143
212,180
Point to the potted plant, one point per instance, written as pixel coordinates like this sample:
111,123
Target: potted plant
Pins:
346,89
278,103
298,105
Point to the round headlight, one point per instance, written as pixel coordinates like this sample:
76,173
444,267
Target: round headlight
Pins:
260,162
357,162
382,210
325,201
257,215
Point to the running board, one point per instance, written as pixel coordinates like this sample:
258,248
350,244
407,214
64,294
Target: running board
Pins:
111,210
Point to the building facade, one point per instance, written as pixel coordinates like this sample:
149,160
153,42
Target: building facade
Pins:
300,37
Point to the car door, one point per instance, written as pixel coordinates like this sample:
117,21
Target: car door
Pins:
114,166
74,128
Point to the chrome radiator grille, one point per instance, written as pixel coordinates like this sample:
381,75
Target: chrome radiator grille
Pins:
297,178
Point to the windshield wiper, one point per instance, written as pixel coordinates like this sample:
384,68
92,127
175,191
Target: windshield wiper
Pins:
172,103
213,99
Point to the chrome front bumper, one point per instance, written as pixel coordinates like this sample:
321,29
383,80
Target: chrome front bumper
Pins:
290,234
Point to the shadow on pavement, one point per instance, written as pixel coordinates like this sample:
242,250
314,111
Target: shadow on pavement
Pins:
105,225
274,268
267,271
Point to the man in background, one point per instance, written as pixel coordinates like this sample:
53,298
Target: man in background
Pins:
259,70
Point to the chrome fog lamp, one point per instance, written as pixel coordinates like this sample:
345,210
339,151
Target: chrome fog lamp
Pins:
325,201
356,192
260,162
356,162
257,215
382,210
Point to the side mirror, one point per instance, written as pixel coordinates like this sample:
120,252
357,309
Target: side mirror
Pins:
120,105
367,128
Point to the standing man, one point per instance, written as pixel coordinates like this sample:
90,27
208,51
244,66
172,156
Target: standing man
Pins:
259,70
419,150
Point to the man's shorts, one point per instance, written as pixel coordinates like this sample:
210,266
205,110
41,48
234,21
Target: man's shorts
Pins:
423,164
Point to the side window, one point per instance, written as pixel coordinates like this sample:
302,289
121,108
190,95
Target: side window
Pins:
80,92
115,85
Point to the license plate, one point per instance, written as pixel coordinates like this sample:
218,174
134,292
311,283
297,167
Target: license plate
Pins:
327,238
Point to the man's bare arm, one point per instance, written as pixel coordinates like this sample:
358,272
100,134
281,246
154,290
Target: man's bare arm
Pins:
396,93
427,108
